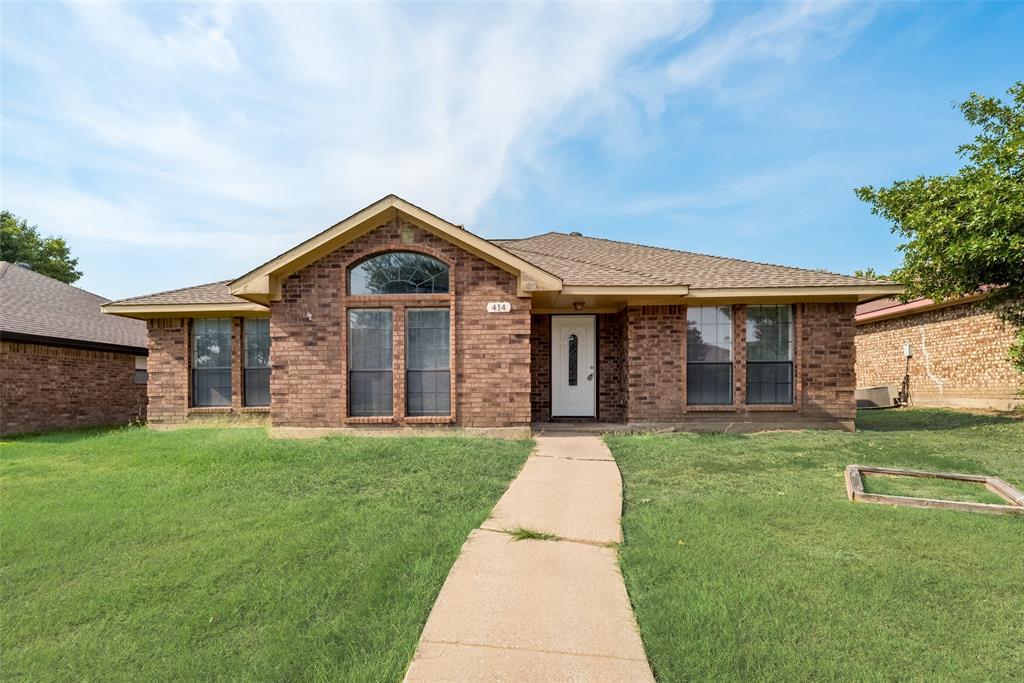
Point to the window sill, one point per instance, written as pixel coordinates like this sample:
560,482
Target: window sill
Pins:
255,409
712,409
429,419
371,420
198,410
771,408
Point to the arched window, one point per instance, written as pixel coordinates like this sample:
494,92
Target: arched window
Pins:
399,272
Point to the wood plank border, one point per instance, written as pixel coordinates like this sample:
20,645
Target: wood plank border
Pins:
855,491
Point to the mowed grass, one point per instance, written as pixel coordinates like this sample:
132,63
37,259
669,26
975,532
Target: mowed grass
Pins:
220,554
938,489
745,560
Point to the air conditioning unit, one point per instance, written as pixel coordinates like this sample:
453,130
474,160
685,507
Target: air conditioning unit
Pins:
877,397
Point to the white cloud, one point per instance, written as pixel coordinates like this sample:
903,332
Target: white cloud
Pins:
172,126
782,32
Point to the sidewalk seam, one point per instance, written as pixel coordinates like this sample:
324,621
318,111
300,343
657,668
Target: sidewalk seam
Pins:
533,649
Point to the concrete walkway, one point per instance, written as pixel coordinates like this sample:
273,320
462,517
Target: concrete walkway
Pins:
540,610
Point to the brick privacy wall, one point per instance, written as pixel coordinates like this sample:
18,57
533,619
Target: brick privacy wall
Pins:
490,354
959,353
168,370
826,355
53,387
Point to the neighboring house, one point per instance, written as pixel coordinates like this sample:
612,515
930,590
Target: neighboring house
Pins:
62,362
397,317
958,352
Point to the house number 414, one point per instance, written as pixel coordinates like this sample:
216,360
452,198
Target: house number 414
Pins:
499,307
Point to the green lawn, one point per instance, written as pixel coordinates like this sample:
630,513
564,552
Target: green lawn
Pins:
220,554
745,560
939,489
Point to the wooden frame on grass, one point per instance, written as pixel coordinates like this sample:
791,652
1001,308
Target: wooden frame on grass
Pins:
1013,497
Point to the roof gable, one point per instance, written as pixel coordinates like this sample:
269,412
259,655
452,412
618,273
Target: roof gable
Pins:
263,284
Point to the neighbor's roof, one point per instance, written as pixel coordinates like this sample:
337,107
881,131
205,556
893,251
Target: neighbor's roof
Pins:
580,260
34,307
885,309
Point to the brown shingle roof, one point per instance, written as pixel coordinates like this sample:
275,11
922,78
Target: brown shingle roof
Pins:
35,305
580,260
591,261
211,293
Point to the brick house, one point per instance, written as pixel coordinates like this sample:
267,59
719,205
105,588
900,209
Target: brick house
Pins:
62,362
396,317
958,352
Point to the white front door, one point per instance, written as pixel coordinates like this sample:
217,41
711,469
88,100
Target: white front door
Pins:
573,365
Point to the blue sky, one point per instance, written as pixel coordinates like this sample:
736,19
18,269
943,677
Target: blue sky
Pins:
175,144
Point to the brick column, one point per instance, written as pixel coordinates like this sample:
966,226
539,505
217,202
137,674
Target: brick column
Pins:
398,361
739,355
168,385
237,364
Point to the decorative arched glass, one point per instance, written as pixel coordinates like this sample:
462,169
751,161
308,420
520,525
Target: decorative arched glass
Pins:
399,272
573,360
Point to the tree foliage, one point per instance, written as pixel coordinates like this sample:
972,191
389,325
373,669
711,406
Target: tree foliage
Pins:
965,232
871,274
22,243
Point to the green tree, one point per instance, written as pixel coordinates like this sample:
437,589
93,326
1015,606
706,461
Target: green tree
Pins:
870,274
22,243
965,232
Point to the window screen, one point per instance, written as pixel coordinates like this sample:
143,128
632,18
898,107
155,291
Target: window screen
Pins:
141,371
257,361
369,362
211,362
708,355
428,374
400,272
770,354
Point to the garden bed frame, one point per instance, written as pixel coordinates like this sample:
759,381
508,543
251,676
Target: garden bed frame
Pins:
855,491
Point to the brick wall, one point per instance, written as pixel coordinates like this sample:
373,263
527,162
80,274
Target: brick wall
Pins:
826,359
655,355
540,364
490,352
959,356
52,387
168,370
642,368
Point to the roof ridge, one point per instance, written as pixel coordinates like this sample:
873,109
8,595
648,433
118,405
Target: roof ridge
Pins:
714,256
170,291
667,281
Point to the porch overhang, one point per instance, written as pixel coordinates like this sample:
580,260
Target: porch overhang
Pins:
598,299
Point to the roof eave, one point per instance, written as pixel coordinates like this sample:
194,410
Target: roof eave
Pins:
855,293
147,311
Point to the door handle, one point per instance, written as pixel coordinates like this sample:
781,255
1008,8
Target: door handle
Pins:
590,377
